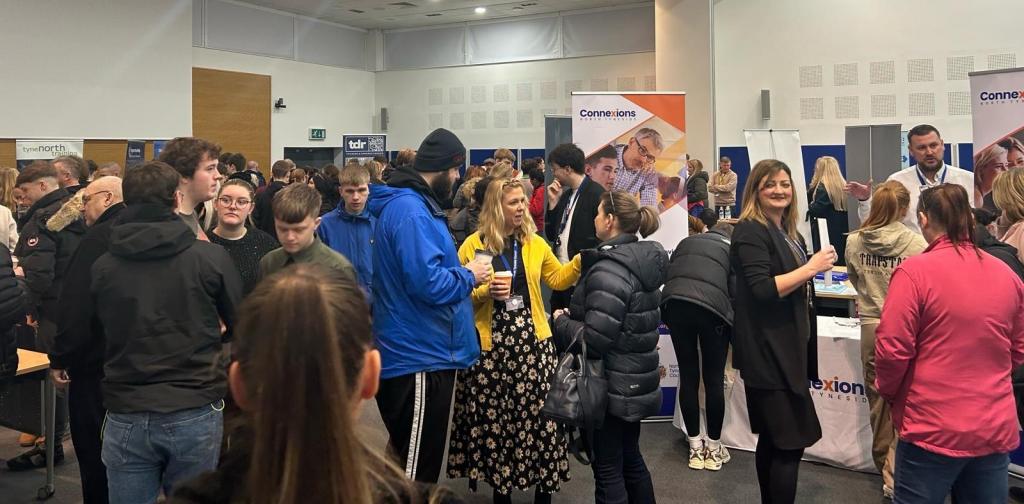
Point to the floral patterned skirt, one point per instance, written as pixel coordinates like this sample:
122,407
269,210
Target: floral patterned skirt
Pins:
499,436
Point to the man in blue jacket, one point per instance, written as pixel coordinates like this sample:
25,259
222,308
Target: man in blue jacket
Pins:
422,315
348,229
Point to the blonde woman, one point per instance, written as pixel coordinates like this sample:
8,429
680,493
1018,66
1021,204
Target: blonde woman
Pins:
826,200
1008,193
872,254
8,208
499,436
988,164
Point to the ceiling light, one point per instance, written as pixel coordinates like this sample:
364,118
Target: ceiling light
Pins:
480,10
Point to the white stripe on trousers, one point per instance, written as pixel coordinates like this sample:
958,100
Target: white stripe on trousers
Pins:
419,405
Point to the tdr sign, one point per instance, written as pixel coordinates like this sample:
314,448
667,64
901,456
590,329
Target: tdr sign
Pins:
364,146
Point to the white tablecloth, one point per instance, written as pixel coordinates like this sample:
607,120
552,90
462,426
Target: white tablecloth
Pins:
839,399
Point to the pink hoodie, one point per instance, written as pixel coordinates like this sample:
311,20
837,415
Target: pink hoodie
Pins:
952,328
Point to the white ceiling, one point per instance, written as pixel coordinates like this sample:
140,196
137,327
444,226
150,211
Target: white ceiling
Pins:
387,14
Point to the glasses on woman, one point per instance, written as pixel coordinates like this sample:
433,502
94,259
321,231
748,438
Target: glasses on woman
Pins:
228,202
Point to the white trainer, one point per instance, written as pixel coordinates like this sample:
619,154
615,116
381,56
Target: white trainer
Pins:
713,459
697,458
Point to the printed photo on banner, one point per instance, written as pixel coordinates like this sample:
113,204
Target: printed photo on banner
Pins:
997,116
1007,153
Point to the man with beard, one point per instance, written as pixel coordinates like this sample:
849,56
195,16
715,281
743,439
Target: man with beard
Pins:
422,314
927,148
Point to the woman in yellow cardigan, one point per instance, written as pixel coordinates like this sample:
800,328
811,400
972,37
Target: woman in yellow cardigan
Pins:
499,436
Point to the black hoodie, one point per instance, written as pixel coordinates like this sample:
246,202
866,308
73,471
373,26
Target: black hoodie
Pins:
1002,251
616,302
160,295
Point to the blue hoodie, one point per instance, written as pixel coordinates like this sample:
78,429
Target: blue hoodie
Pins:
422,314
351,236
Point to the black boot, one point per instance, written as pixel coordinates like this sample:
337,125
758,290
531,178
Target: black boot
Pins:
35,458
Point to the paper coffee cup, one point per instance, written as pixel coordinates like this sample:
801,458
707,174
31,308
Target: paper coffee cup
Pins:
483,257
502,278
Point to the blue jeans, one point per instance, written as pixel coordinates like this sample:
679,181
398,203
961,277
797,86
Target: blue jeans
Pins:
147,452
926,477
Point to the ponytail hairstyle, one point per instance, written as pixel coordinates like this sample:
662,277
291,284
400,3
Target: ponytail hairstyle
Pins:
632,217
949,209
301,343
888,203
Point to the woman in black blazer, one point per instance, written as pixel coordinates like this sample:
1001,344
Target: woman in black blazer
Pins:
774,340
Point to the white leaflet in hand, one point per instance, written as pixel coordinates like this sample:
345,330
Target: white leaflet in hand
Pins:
825,244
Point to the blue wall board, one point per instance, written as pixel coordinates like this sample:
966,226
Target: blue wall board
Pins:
531,153
966,152
477,156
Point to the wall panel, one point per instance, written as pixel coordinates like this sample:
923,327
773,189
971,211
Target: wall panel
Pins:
233,109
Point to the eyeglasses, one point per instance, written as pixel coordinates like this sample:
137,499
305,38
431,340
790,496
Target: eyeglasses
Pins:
88,197
646,154
240,202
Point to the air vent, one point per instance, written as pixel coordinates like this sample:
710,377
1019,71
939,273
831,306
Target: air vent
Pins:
478,94
524,119
548,90
625,84
501,119
524,91
883,105
883,72
572,85
959,103
528,4
478,120
457,120
921,104
403,5
435,97
812,108
810,76
650,83
957,67
845,74
599,84
920,70
435,14
357,11
435,120
847,107
456,95
1002,61
500,93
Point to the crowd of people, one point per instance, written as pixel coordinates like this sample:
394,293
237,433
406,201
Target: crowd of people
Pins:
214,334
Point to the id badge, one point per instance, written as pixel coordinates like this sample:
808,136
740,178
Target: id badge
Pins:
514,303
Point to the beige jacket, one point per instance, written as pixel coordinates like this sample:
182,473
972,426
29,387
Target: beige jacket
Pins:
723,186
872,256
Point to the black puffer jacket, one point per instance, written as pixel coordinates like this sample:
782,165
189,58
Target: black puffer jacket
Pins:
13,305
700,274
617,304
697,188
44,254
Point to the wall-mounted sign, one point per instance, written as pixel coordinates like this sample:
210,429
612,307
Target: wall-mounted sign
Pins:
318,134
27,151
363,146
135,154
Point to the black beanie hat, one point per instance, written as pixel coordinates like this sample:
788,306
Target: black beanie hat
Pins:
440,151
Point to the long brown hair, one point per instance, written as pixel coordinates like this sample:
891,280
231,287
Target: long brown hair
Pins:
492,216
301,341
949,208
7,178
888,203
752,204
631,215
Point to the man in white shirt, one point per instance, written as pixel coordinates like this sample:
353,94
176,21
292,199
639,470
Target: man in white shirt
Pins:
927,148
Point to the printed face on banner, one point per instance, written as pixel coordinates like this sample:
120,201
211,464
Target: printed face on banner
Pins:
635,143
997,105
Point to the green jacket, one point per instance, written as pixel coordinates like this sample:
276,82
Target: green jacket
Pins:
317,253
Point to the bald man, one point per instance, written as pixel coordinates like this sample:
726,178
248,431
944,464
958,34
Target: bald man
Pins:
76,361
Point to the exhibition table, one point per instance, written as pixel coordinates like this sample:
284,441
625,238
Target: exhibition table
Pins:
32,366
839,399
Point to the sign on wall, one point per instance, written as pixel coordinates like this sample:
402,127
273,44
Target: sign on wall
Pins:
363,146
135,154
27,151
997,108
317,134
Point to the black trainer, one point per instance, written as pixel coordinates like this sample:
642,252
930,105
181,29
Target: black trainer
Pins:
35,458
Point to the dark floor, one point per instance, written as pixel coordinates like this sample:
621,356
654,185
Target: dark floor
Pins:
662,445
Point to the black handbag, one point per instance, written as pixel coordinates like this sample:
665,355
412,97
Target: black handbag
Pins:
579,389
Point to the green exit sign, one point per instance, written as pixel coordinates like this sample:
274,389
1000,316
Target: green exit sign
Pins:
318,133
